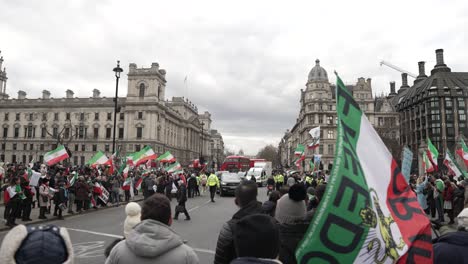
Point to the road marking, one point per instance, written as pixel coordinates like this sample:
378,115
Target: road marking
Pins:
116,236
204,251
92,249
94,233
198,206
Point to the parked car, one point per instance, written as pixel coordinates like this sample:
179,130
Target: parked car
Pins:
229,182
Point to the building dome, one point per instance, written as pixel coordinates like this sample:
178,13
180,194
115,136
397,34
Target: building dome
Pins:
318,74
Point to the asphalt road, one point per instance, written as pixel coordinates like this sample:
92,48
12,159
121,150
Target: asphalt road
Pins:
91,233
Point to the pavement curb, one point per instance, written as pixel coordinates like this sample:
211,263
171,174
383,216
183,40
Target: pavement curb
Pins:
90,211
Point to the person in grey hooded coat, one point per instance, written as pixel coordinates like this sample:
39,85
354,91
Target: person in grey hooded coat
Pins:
152,240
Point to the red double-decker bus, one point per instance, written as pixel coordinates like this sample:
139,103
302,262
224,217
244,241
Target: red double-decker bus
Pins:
235,164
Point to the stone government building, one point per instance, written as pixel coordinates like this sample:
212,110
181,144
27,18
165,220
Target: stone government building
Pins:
30,127
434,106
318,108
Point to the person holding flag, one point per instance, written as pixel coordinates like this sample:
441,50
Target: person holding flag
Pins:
13,206
72,179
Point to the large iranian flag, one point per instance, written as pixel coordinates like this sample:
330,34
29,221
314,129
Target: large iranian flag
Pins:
166,157
368,213
98,159
55,156
432,153
450,163
174,167
463,152
143,156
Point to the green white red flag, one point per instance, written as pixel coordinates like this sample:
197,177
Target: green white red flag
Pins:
138,184
166,157
299,150
74,178
55,156
427,164
312,165
98,159
452,166
315,133
174,167
432,153
144,155
368,213
463,152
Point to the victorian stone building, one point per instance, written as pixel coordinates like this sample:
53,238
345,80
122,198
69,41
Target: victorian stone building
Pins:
434,107
318,108
31,127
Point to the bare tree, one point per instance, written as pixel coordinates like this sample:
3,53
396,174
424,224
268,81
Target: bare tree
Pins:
60,137
269,153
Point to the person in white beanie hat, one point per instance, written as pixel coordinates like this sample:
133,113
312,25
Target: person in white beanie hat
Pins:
133,211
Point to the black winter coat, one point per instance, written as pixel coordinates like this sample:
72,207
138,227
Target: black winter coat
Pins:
290,236
182,194
225,251
451,248
269,208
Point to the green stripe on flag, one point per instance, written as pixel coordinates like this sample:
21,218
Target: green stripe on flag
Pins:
340,204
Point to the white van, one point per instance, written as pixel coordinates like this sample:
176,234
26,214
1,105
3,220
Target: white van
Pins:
261,171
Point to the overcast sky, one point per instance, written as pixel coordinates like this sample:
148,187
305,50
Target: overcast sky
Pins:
246,61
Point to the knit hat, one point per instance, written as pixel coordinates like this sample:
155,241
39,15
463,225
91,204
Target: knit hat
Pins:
133,211
291,208
37,244
257,236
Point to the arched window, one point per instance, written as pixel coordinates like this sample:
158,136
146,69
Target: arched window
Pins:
142,90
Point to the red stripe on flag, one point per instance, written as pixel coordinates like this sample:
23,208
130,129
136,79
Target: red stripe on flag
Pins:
57,160
411,220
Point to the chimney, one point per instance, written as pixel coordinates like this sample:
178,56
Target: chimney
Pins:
96,93
369,82
404,83
440,65
21,95
422,69
155,65
45,94
404,80
69,94
392,88
422,72
440,57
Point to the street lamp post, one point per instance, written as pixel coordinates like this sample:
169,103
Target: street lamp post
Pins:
117,70
201,144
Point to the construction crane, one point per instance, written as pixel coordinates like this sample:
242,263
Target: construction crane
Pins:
388,64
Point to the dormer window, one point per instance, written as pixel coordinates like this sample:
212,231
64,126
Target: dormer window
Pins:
142,90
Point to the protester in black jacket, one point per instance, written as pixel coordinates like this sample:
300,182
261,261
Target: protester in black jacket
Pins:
269,206
60,200
181,199
27,202
246,199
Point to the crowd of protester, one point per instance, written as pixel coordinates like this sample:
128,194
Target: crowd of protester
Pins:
267,232
57,191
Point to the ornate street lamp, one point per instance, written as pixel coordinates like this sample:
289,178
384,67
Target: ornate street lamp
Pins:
117,70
